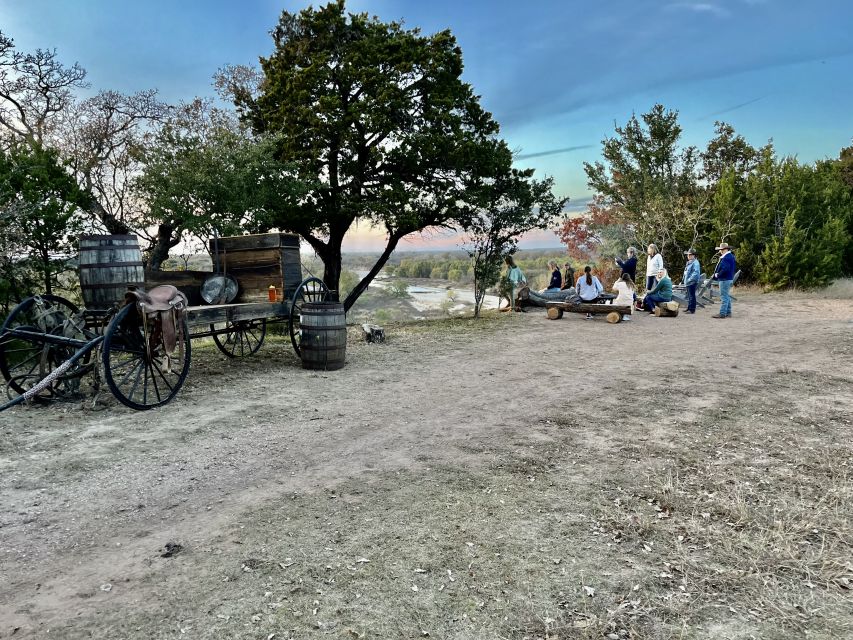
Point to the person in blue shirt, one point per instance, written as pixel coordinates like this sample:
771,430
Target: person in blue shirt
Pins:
692,271
725,274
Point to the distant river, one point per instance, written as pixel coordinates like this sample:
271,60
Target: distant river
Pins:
427,298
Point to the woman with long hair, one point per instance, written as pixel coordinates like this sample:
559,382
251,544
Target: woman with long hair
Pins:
589,287
556,278
624,288
654,263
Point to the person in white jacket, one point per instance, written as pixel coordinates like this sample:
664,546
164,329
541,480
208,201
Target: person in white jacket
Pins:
654,263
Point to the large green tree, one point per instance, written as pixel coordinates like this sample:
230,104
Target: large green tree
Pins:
378,119
648,180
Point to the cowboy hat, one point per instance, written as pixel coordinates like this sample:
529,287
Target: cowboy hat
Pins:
690,252
723,245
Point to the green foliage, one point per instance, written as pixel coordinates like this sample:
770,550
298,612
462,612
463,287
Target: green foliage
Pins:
398,289
792,224
205,173
39,207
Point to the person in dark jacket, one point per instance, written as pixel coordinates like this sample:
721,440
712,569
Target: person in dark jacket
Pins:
629,265
725,274
556,278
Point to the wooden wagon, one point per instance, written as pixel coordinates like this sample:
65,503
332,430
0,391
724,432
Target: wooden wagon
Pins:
141,347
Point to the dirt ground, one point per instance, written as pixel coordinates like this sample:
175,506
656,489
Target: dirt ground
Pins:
512,477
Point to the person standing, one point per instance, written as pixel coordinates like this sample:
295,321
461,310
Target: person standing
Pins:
725,274
654,263
629,265
568,276
692,271
517,280
662,292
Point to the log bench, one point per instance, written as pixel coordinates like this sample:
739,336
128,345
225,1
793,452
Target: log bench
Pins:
614,312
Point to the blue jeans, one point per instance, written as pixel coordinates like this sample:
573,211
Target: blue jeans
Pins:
726,297
651,300
691,297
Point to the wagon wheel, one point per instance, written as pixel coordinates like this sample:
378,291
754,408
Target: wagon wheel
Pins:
243,338
310,290
136,367
24,361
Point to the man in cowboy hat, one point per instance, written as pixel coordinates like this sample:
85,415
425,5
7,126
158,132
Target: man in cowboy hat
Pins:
724,274
692,271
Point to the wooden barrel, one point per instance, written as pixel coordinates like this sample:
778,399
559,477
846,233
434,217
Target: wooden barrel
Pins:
108,264
324,335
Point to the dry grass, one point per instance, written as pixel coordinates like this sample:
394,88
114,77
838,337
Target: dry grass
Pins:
841,289
734,523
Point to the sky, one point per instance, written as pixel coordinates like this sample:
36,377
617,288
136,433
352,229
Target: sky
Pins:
557,75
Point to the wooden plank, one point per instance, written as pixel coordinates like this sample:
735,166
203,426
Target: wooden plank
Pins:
582,307
257,241
235,312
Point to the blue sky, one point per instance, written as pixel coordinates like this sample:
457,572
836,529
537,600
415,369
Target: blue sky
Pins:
556,74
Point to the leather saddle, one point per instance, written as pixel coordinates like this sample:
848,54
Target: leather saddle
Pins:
164,305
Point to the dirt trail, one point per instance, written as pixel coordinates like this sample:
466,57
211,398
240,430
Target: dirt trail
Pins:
89,499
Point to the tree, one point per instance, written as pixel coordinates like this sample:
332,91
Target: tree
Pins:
513,205
727,151
37,192
205,173
378,121
648,184
98,137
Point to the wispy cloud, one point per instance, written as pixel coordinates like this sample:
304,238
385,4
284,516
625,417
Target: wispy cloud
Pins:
730,109
552,152
700,7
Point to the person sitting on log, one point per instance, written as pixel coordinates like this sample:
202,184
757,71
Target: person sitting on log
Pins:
624,288
556,278
662,292
569,277
589,287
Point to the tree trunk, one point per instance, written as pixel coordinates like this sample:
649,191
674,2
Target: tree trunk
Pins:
666,310
112,224
160,250
361,287
45,268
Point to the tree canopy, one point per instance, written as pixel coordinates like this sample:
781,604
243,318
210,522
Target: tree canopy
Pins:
377,119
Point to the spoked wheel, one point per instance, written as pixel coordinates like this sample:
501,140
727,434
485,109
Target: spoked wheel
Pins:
243,337
137,368
26,360
310,290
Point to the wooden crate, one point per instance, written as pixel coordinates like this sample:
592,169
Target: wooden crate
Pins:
261,260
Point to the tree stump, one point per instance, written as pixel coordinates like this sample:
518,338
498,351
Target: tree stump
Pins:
666,310
614,318
553,313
